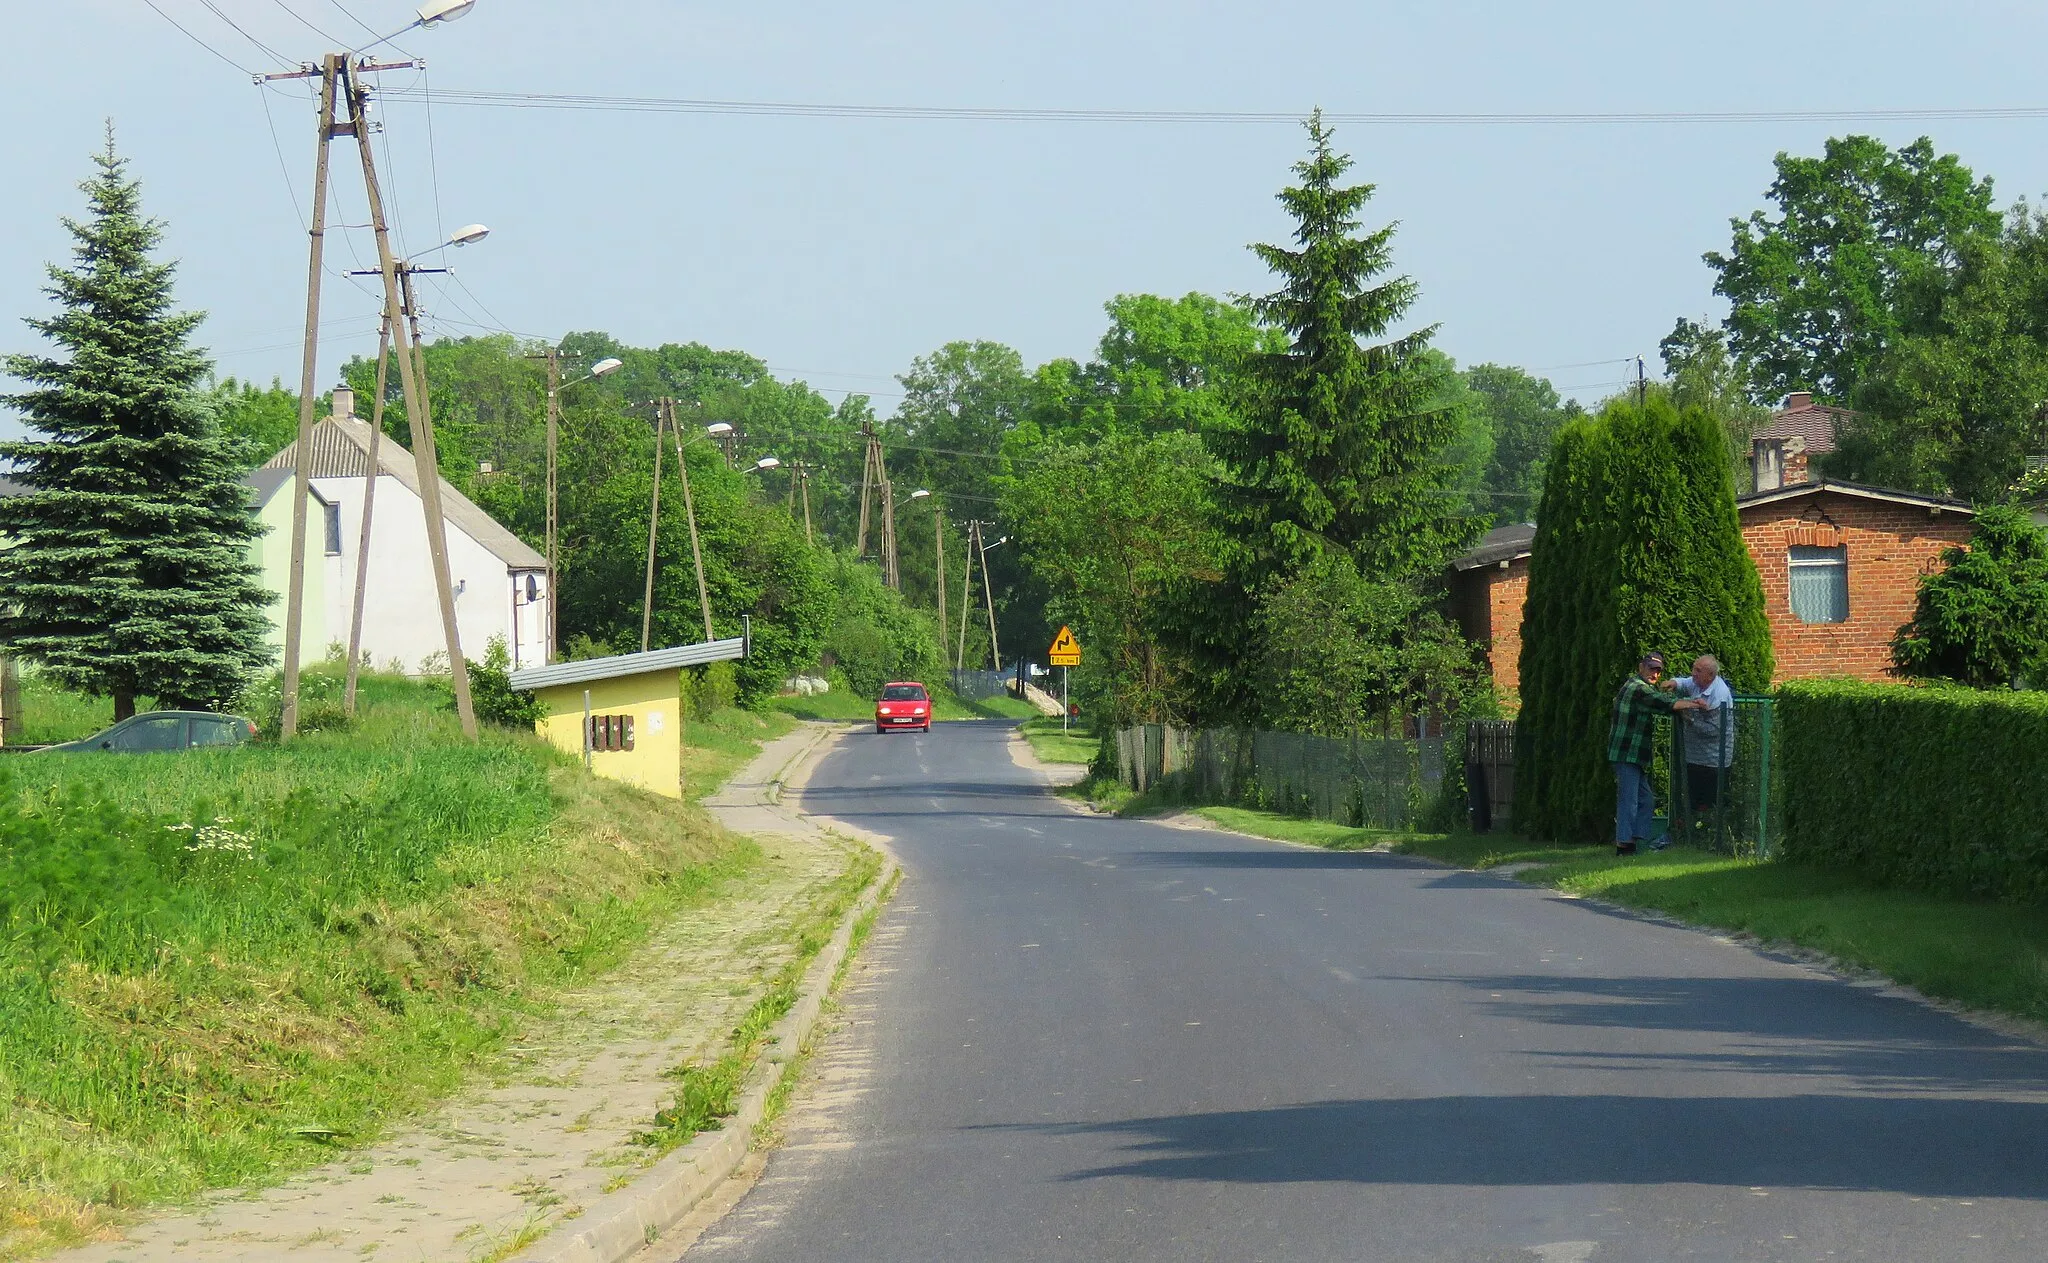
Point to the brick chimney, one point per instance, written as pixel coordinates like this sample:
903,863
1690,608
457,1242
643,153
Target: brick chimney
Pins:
1798,401
344,402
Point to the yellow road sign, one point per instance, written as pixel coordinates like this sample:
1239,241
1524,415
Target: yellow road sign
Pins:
1066,649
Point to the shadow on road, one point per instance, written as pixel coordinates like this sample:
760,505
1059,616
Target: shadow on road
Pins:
1279,857
1928,1147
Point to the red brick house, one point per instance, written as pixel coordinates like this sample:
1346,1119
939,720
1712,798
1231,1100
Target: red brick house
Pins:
1782,453
1840,564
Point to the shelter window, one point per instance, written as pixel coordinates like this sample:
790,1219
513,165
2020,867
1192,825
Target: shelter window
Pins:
1819,582
611,732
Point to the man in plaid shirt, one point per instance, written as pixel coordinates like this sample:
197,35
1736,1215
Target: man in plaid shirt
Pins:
1629,744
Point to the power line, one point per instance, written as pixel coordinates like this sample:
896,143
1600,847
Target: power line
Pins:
795,109
266,49
302,21
195,39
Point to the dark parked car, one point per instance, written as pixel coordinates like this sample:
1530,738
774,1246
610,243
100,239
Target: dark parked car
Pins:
164,730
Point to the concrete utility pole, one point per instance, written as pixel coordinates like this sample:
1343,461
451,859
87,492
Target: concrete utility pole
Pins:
653,525
690,511
988,593
330,73
417,414
939,555
355,617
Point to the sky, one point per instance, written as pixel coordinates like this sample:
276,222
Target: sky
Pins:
837,249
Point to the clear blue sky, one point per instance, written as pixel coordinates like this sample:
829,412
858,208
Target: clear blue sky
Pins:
837,249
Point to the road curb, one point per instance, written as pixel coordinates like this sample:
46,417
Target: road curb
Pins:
624,1223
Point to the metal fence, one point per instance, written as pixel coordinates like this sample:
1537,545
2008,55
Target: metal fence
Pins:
974,686
1363,782
1732,802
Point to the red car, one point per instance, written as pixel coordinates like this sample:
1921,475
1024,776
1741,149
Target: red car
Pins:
904,704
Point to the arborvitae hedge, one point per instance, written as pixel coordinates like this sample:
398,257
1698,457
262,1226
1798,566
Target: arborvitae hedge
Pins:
1637,547
1935,789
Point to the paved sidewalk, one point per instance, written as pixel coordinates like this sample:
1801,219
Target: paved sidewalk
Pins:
505,1160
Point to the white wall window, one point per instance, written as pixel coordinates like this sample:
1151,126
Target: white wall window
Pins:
1819,584
332,512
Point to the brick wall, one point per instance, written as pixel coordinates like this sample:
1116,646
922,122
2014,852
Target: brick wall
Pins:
1889,546
1487,603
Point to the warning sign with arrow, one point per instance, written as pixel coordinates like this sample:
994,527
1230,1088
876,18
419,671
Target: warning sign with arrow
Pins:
1066,649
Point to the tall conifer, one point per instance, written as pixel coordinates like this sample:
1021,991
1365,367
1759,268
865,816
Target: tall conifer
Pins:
1637,547
129,572
1341,443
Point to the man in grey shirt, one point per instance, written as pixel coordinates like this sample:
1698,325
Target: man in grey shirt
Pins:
1708,733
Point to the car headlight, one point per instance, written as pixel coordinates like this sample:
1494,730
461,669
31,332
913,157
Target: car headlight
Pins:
885,710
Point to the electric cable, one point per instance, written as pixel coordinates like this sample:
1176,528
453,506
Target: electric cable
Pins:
195,39
237,27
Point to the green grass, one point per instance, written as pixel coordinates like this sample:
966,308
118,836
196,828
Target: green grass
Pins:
715,748
1055,746
1982,954
217,965
1322,833
50,715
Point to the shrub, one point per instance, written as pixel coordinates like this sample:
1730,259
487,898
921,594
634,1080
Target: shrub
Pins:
876,637
1935,789
492,695
1637,547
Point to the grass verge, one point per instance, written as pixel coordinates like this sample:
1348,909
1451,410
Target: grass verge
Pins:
1053,745
1978,953
707,1095
1322,833
217,966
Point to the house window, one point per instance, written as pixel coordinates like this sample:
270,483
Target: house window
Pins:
532,589
1820,584
332,512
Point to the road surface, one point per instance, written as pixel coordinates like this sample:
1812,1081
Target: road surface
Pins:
1085,1038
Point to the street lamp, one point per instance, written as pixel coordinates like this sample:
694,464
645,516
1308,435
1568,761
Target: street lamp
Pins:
766,463
432,13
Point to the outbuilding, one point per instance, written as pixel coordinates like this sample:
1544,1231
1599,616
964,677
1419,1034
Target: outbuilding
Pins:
624,714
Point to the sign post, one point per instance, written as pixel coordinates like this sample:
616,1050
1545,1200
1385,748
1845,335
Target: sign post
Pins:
1066,655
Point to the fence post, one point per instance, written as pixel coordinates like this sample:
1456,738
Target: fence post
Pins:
1763,789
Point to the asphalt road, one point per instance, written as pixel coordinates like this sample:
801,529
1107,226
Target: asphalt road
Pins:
1085,1038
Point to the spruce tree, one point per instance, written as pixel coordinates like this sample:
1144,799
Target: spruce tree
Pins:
129,572
1638,547
1341,444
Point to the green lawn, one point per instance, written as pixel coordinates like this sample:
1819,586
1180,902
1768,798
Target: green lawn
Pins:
217,964
1322,833
50,715
1054,746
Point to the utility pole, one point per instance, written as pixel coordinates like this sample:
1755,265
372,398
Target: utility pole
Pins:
988,593
867,482
302,474
966,587
939,554
425,455
1642,385
355,617
690,511
889,573
653,524
800,484
554,561
10,702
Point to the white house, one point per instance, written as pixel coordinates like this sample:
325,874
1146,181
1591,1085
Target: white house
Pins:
500,582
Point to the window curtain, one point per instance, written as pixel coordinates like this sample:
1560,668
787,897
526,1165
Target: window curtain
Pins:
1820,584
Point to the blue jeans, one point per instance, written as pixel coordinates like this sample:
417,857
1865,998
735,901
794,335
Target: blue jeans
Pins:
1635,807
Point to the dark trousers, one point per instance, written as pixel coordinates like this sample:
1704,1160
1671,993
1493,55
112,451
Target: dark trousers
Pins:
1704,783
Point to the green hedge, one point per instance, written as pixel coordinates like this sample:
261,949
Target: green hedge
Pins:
1940,789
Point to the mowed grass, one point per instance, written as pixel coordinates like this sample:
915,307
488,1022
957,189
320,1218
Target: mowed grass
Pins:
220,965
1052,745
50,715
1982,954
1322,833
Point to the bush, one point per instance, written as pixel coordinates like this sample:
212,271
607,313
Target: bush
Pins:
1938,789
876,637
492,695
1637,547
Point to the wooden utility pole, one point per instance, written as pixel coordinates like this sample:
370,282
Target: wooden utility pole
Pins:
867,482
302,473
425,455
803,478
939,554
355,616
10,702
690,512
653,525
988,593
966,589
889,573
554,359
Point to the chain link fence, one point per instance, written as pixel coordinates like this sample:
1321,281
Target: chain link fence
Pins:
1362,782
1723,784
975,686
